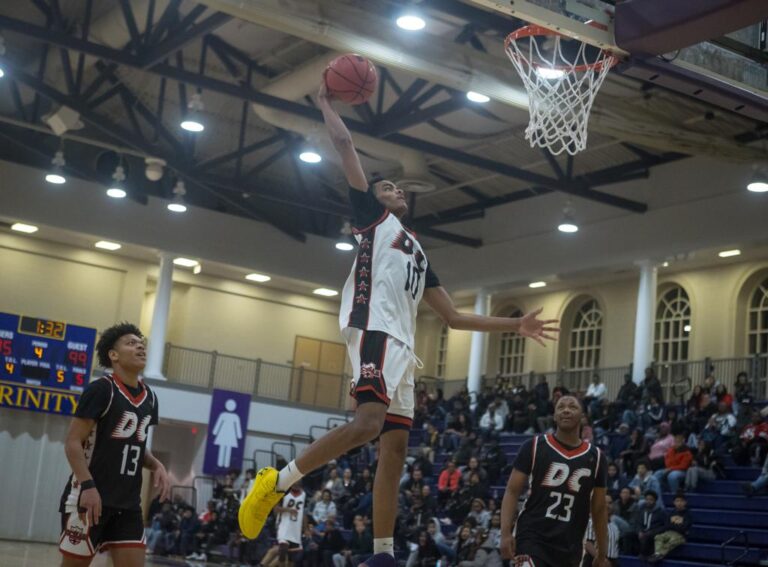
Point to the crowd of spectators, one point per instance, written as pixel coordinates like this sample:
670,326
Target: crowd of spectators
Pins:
451,488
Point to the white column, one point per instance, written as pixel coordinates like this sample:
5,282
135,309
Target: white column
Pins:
156,344
477,348
646,308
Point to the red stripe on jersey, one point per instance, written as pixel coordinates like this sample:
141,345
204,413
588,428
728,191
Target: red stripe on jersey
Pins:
135,400
564,451
382,397
377,222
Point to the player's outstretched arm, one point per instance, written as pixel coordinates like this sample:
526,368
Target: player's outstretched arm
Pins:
79,431
599,511
342,141
528,325
515,486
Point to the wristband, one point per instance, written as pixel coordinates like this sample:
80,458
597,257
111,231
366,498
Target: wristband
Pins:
87,484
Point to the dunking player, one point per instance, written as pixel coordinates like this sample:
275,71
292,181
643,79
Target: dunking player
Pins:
378,316
106,448
568,478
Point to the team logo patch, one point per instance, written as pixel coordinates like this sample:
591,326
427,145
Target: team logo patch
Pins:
75,534
404,243
369,371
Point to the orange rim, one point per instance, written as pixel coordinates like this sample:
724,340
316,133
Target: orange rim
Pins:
534,30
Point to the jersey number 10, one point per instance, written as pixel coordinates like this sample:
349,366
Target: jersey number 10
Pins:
412,279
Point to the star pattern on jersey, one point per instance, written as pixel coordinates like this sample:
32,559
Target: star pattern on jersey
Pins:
362,298
365,244
364,258
363,272
362,286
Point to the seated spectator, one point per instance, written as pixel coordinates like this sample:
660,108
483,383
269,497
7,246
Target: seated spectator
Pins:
541,389
676,463
722,395
501,407
615,481
559,390
586,430
332,541
651,387
753,441
590,540
324,508
720,430
494,459
635,452
430,504
696,420
458,428
759,484
742,392
654,414
473,466
464,546
694,401
623,509
162,533
433,528
629,394
188,527
448,482
426,554
663,442
360,547
492,422
596,393
704,466
212,533
648,521
519,414
675,530
710,384
619,442
431,443
644,481
479,514
484,555
413,484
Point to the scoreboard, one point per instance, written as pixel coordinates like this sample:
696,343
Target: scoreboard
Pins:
41,358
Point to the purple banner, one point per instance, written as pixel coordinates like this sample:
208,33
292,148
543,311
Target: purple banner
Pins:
227,428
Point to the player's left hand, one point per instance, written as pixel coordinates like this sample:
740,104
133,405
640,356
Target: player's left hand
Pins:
537,329
601,561
161,482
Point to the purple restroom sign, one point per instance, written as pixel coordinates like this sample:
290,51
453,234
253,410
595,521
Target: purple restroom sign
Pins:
227,428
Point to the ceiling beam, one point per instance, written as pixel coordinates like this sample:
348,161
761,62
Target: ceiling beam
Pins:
175,162
248,93
175,42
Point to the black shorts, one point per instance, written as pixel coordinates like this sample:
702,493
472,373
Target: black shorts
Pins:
116,528
528,554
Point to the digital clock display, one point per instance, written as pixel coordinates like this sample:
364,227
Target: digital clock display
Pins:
42,327
43,352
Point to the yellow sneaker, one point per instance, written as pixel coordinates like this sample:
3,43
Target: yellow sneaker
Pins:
256,507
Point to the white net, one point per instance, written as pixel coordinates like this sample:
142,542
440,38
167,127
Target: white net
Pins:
562,77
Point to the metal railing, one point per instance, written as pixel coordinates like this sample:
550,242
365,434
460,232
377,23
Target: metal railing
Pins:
203,488
209,369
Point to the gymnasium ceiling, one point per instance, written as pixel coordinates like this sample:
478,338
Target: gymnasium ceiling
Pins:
129,69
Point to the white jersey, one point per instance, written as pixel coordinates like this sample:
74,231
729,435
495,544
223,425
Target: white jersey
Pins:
289,527
387,281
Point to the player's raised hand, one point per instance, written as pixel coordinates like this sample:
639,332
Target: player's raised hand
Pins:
322,94
90,506
161,482
538,329
507,547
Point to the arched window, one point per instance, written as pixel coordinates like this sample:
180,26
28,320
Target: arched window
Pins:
586,337
673,326
757,330
512,350
442,352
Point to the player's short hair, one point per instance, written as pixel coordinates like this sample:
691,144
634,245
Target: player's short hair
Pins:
110,336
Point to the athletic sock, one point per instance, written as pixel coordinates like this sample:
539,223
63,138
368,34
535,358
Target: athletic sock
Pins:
288,477
384,545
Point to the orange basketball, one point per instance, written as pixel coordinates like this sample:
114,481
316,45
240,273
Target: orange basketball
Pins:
351,78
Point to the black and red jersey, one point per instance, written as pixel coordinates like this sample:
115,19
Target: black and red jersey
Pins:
555,515
115,448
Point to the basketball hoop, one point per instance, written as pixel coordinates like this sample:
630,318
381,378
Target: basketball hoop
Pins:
561,85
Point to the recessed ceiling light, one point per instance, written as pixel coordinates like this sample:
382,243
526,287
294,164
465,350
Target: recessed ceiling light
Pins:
729,253
567,227
326,292
310,157
411,22
758,187
537,284
177,207
107,245
116,192
478,97
665,265
26,228
55,179
261,278
344,246
185,262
